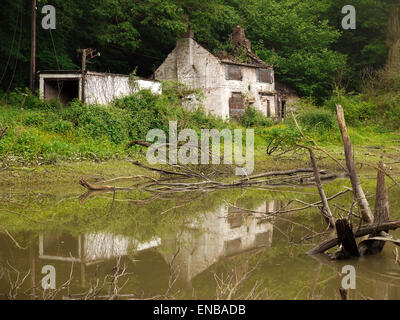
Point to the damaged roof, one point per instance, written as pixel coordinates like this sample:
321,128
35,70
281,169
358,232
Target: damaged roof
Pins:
242,54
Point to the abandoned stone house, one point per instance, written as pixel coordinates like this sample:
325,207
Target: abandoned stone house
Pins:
229,83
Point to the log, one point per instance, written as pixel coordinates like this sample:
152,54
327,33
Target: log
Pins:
326,211
366,230
283,173
343,293
356,186
346,238
140,143
381,213
372,246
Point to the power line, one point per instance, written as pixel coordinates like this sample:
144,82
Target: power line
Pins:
12,46
16,56
54,49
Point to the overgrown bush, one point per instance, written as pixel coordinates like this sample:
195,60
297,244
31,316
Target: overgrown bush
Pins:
32,101
78,131
317,118
356,109
281,137
97,121
253,117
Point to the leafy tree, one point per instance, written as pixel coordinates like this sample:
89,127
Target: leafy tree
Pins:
303,39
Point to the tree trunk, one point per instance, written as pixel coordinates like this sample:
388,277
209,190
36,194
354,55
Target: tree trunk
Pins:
393,38
381,215
346,237
326,211
330,243
356,186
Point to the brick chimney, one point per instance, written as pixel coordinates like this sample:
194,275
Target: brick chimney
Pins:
189,32
239,38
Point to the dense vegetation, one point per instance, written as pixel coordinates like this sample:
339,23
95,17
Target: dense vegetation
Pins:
50,131
46,131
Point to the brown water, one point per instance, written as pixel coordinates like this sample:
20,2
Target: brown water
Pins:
194,246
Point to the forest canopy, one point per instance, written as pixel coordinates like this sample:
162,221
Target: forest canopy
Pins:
303,39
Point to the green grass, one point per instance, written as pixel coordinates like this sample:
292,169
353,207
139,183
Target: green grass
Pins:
50,132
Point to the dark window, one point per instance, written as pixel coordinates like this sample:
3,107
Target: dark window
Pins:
236,104
233,72
63,245
263,239
265,75
233,246
235,217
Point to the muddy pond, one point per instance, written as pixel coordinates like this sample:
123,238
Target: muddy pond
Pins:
217,245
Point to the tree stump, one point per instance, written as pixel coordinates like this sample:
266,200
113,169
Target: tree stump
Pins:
346,240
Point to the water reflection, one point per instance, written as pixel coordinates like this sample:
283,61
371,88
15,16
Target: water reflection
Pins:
202,242
89,248
223,232
206,241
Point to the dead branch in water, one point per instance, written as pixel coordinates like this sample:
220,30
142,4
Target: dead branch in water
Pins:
363,231
283,173
346,240
357,189
136,163
326,211
96,187
205,184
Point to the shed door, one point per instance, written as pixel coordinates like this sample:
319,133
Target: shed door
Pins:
236,104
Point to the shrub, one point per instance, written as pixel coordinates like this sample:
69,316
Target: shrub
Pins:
59,126
281,137
356,110
317,118
32,101
97,121
253,117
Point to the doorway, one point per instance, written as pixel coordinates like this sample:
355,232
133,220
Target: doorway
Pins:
64,90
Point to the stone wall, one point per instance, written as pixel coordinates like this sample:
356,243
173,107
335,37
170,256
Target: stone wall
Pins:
102,88
191,64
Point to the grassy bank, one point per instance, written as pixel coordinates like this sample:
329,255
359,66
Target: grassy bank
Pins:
45,132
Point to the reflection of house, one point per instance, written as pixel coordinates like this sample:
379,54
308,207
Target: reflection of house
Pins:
230,82
90,248
225,232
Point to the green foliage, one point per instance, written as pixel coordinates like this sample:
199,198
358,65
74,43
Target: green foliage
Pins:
304,40
281,137
317,118
97,121
253,117
356,109
51,131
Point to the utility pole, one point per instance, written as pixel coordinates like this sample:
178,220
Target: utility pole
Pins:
33,48
83,70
